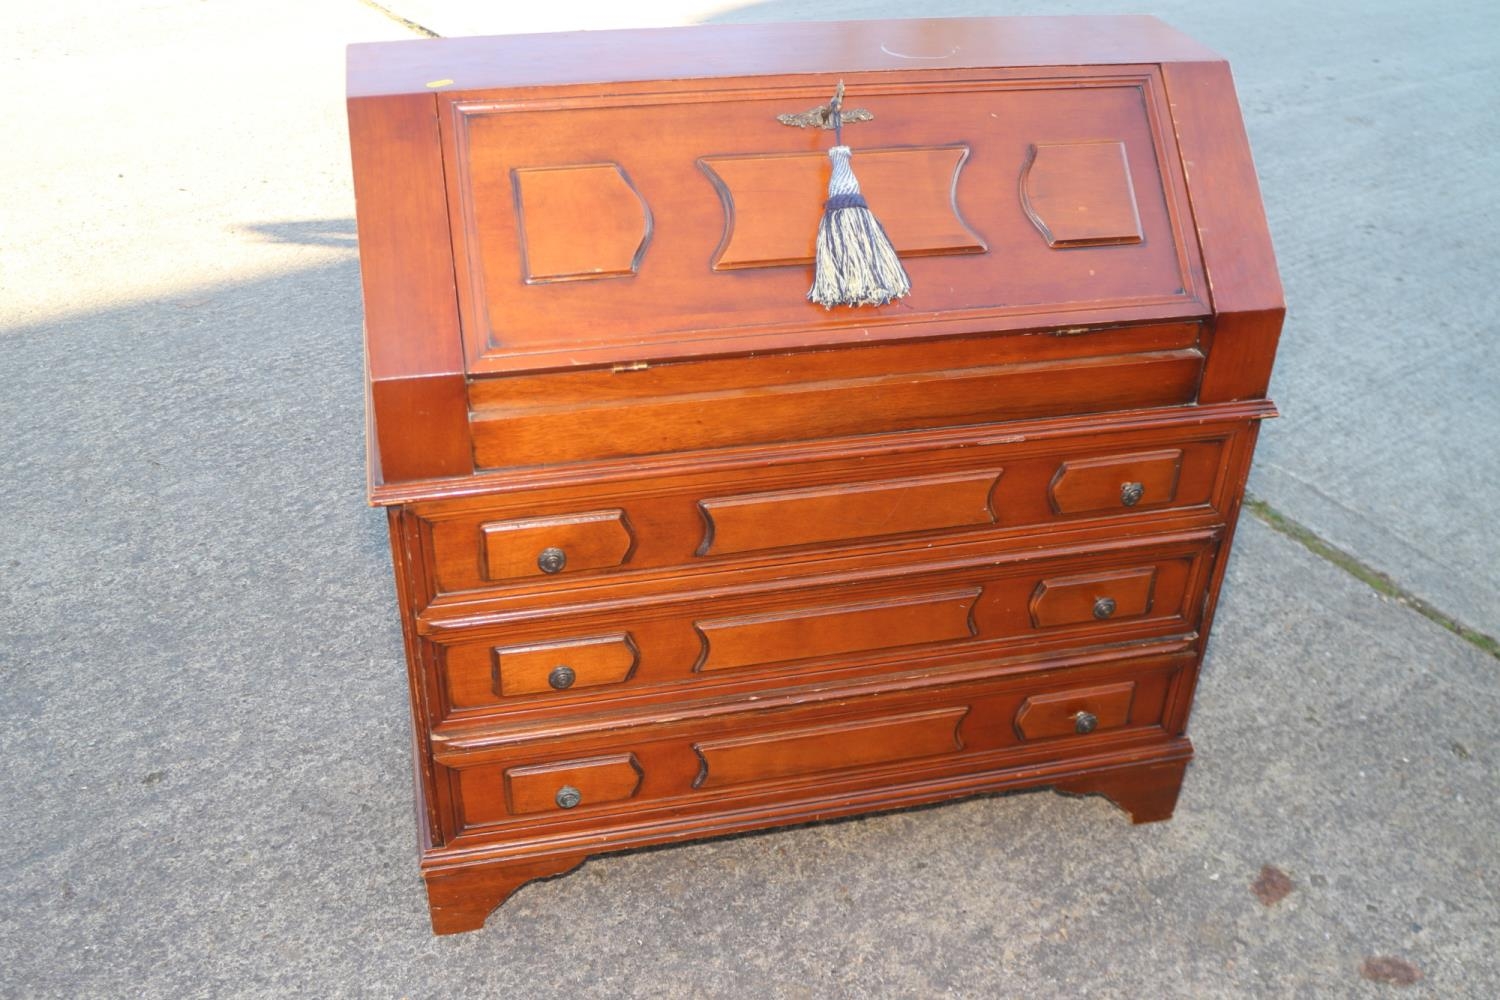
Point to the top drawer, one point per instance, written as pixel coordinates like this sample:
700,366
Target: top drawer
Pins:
767,512
558,417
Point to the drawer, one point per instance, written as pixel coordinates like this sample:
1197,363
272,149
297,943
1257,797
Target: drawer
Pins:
768,511
706,759
517,421
653,642
1077,599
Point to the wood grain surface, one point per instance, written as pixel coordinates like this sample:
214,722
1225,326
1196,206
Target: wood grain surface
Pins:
679,554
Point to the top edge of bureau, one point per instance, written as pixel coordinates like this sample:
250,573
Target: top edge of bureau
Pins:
578,58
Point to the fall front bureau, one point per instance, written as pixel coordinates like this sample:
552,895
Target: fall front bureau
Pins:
681,553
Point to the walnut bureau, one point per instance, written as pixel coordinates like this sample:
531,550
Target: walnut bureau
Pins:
679,553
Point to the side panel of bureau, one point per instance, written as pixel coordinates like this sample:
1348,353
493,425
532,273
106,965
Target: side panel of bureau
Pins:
413,356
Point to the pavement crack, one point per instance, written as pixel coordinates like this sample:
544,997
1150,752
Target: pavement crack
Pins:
1367,574
405,22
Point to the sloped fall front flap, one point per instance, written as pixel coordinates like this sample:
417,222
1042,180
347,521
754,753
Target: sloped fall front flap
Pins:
638,227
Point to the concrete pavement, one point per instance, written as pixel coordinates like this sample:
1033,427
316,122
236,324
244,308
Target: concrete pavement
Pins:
205,773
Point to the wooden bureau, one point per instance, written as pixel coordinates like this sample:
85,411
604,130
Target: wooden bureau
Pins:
679,553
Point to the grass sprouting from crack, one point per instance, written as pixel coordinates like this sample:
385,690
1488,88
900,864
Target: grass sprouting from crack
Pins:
1371,577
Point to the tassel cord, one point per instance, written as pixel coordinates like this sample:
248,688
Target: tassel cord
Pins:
855,264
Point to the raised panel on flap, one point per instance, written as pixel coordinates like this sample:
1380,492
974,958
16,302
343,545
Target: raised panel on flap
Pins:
768,199
969,246
578,222
1080,194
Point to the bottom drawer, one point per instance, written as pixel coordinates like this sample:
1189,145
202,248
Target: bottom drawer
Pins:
713,758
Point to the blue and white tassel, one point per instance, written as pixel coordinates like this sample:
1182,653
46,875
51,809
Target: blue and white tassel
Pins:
855,264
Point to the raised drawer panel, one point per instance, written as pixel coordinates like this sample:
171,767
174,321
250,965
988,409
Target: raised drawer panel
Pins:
763,512
1075,712
847,512
570,784
548,546
704,759
706,644
810,633
1115,595
562,666
831,747
1110,482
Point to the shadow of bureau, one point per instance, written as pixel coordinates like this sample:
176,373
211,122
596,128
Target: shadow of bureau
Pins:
679,553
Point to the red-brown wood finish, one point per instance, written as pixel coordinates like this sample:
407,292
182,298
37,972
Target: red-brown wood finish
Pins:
544,787
1080,193
413,360
1076,712
679,554
1231,224
562,665
671,306
546,546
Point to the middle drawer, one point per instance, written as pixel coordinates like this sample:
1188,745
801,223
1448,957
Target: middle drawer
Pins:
637,646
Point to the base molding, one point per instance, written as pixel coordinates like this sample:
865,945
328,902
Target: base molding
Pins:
461,894
462,899
1147,793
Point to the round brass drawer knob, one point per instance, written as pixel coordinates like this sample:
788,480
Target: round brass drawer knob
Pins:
562,677
568,797
552,560
1085,722
1104,607
1131,493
